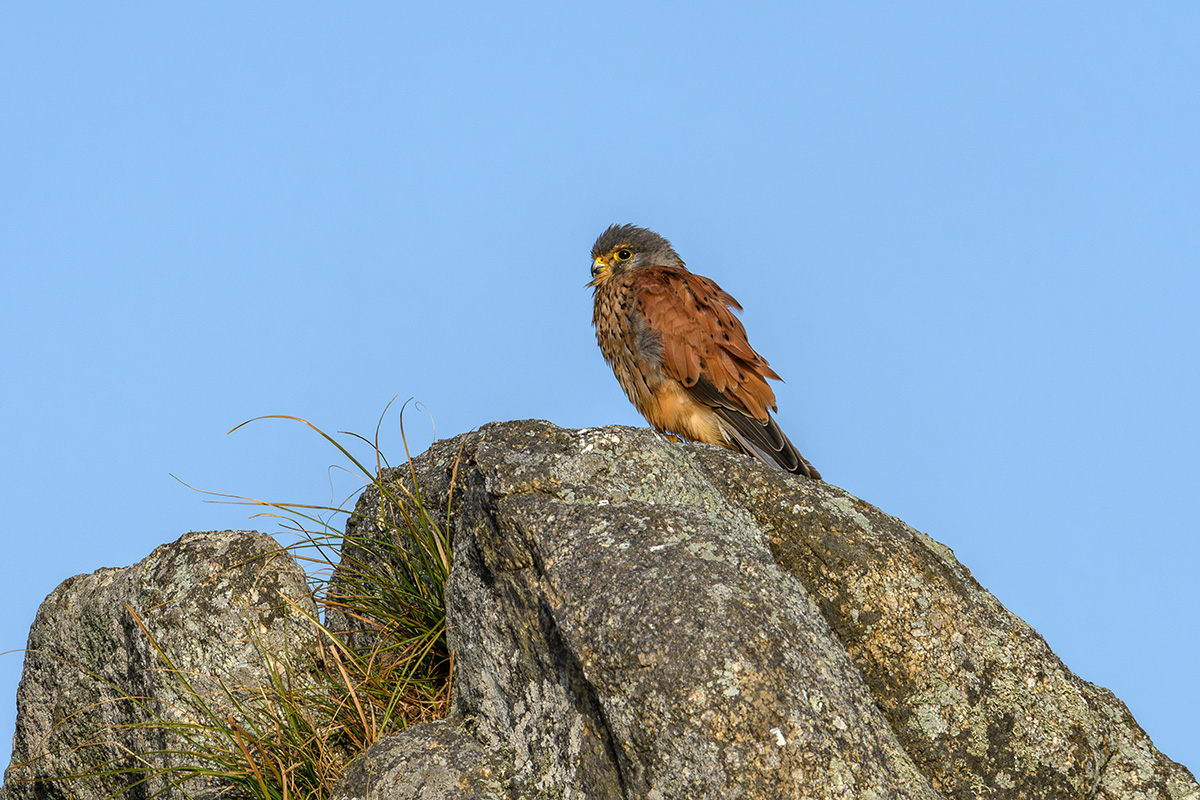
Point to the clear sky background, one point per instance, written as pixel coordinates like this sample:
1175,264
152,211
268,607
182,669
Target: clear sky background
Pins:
968,237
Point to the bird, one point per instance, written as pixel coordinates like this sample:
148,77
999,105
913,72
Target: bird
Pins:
679,352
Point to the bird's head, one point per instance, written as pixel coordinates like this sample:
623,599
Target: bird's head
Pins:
622,248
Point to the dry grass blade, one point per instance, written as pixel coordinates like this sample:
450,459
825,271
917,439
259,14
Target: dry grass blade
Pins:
292,737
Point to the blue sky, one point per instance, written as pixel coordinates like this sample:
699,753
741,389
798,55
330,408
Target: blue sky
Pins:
965,235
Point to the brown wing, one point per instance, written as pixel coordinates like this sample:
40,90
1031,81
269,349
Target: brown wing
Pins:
703,341
763,440
705,348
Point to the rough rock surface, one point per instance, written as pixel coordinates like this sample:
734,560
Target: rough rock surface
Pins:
430,761
636,618
212,601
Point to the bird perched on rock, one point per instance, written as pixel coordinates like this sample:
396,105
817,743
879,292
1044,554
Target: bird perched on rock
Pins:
680,353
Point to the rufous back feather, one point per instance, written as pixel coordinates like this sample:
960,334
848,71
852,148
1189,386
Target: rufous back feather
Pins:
702,339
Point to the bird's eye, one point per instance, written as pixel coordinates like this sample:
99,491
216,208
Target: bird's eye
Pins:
624,254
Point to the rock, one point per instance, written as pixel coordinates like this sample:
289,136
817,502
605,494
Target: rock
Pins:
636,618
630,618
430,761
93,683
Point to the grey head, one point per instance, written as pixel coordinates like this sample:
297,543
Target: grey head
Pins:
625,247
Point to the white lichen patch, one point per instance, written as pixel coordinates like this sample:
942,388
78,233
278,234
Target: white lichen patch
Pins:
728,678
705,551
930,720
845,507
841,776
721,594
1003,781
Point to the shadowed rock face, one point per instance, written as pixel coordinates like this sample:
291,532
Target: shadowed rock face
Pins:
635,618
93,681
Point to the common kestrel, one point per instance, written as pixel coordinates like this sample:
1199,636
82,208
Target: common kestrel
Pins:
680,353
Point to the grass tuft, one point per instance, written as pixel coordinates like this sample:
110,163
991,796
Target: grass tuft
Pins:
381,663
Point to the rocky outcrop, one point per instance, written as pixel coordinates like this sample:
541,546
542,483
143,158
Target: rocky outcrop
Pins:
97,697
635,618
630,618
